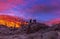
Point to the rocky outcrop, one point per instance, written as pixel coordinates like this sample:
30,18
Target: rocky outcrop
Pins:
30,31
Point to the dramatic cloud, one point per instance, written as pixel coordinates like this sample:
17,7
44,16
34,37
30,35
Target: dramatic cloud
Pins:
39,9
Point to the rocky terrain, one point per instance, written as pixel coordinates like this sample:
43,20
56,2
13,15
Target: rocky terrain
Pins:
33,30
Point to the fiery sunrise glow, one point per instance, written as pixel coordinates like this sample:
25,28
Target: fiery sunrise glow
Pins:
11,21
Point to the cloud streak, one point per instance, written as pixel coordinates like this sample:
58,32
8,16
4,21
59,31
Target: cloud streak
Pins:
31,8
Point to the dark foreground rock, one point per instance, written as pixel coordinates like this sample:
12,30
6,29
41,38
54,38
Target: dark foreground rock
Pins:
30,31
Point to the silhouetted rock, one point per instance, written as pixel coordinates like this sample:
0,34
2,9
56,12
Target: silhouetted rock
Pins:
34,21
30,21
32,28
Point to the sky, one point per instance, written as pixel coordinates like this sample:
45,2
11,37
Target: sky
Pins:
44,10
